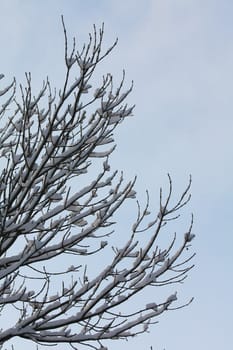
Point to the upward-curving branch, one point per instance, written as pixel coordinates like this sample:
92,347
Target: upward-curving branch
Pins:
55,226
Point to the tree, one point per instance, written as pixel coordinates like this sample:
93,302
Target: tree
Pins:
53,227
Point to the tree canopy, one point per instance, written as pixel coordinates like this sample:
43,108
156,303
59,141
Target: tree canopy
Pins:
53,228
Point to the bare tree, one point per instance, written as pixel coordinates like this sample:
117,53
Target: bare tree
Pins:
53,227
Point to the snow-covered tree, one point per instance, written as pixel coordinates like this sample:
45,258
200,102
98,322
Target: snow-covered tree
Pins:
57,231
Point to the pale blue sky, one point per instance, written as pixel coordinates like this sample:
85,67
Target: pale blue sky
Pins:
180,55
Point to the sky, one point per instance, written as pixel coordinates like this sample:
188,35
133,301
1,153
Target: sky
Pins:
179,53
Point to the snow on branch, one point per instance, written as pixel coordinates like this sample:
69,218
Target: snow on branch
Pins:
54,225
